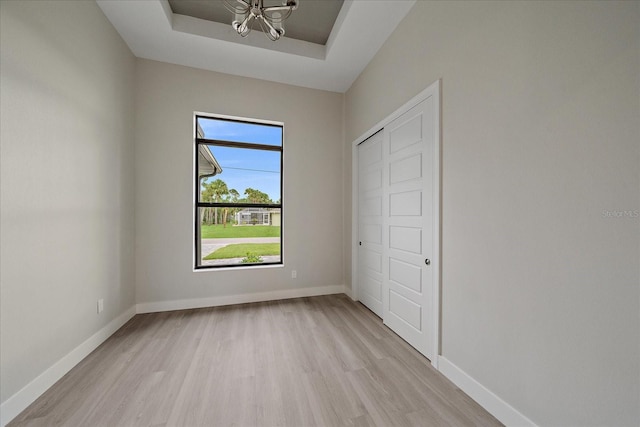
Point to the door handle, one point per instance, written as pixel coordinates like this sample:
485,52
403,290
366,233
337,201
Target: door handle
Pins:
427,261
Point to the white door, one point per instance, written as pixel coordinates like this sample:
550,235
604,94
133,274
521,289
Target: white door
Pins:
370,170
408,224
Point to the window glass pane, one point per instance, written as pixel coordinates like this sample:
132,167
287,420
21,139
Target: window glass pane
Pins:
226,130
238,175
232,174
236,236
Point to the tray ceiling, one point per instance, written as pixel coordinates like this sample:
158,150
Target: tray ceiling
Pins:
154,30
311,23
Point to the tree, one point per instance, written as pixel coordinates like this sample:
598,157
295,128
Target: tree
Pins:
206,195
233,196
257,196
217,191
214,192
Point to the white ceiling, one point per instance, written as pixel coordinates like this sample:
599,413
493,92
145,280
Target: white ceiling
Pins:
153,31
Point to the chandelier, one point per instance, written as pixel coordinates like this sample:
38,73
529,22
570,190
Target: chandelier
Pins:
270,18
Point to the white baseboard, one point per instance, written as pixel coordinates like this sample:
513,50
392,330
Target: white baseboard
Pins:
348,292
497,407
29,393
152,307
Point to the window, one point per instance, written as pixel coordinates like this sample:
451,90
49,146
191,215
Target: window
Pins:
238,184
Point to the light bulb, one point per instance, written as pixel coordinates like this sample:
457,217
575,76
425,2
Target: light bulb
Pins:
277,24
238,20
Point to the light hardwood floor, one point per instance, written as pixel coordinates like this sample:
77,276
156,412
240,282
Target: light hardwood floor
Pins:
320,361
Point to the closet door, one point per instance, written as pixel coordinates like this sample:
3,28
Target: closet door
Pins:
370,170
408,225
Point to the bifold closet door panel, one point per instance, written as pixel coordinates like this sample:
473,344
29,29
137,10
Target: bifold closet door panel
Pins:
370,274
408,193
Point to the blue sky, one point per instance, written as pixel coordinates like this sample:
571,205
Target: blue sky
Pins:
244,168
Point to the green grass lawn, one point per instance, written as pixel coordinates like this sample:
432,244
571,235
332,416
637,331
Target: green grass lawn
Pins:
240,250
221,232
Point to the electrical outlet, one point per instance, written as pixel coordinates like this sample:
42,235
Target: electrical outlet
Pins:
294,274
100,305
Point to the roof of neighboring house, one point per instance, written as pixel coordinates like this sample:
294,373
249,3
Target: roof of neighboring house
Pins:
207,164
254,210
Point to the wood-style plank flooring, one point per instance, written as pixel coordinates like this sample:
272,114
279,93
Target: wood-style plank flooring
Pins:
320,361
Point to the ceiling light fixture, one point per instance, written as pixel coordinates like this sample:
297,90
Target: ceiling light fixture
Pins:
271,18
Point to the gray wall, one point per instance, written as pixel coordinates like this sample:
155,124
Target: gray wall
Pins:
541,132
67,221
167,97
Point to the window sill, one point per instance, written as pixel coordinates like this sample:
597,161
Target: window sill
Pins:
241,268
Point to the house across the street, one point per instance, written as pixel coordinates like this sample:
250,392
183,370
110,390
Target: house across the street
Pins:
258,216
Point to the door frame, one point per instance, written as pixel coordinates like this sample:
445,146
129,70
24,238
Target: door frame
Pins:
432,90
